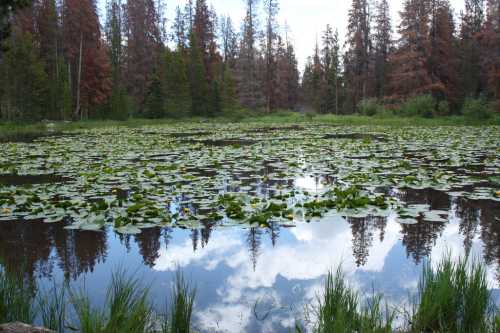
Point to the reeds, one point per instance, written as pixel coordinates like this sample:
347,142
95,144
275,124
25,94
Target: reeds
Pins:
453,297
16,299
179,313
340,309
127,307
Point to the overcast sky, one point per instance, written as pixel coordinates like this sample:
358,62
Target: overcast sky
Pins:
306,18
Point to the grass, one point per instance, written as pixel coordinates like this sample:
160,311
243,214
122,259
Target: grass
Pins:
339,309
16,299
28,132
127,307
452,297
179,313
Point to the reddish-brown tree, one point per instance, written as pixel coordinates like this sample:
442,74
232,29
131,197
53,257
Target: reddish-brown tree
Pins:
143,46
443,61
489,39
409,63
86,55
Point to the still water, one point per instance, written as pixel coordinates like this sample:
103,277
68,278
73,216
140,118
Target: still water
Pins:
259,280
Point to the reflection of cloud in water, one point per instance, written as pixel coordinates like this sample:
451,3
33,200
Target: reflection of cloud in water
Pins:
290,274
309,183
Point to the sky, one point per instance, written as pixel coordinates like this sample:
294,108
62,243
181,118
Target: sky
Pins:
306,18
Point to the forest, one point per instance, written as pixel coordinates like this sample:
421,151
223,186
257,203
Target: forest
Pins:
60,60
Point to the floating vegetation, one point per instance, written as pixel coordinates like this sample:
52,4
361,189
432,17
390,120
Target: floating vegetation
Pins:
243,175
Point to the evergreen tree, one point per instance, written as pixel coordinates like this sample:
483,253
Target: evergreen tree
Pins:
382,47
410,75
443,61
358,55
118,103
271,8
155,101
178,99
197,79
249,89
331,72
229,99
470,56
24,81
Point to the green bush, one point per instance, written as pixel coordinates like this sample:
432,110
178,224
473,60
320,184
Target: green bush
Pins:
423,106
477,109
370,107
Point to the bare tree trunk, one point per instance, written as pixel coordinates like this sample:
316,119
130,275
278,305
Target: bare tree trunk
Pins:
77,110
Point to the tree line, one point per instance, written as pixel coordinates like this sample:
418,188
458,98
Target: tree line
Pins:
431,55
59,62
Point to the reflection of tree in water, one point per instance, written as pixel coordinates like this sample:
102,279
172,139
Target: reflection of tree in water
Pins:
195,235
79,251
435,199
420,238
490,232
25,248
362,235
274,232
469,221
149,245
253,241
206,232
125,240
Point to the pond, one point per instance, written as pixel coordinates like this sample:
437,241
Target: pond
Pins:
253,215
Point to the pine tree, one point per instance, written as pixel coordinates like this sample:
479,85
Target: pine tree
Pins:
271,8
7,9
443,61
86,56
470,57
410,75
357,58
249,90
331,72
118,103
382,47
24,81
197,79
229,99
489,39
143,46
155,101
178,99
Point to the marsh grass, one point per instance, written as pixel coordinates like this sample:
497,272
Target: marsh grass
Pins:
16,299
51,305
126,308
340,309
453,297
179,312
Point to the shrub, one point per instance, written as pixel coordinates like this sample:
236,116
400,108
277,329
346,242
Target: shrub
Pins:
370,107
423,106
477,109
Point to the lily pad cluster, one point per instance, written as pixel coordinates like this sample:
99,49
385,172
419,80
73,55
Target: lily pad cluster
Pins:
242,174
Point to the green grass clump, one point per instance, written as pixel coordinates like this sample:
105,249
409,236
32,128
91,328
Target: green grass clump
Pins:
477,109
453,297
126,308
339,310
180,310
16,299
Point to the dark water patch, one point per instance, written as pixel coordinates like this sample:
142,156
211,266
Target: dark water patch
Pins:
276,129
225,142
355,136
19,180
